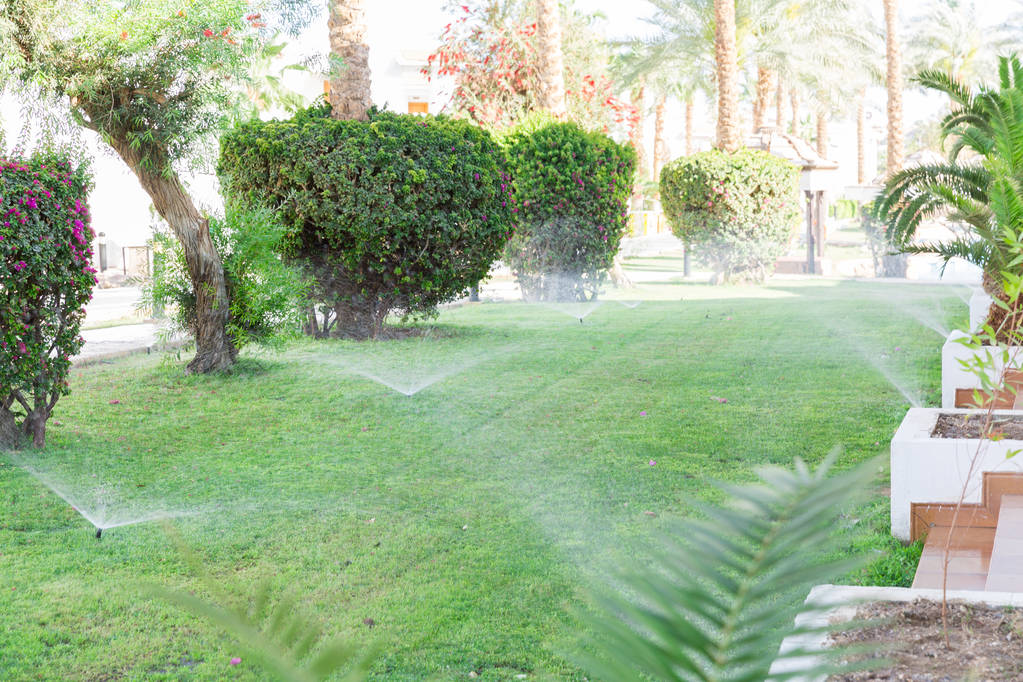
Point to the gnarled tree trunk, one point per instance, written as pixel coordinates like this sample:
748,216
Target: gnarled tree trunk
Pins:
214,349
350,94
861,142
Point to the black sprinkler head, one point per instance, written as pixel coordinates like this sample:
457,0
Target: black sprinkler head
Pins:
99,533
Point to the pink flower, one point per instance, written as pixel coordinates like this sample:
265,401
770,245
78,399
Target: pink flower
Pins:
652,463
20,265
643,413
21,348
235,660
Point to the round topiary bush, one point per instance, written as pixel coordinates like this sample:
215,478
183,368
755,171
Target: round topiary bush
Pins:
738,210
398,213
46,245
571,193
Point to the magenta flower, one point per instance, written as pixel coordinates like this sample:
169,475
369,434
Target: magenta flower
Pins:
643,413
652,463
235,660
20,265
21,348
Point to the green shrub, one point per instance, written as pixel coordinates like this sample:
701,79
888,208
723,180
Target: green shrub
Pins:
844,209
571,193
400,212
47,278
738,210
267,295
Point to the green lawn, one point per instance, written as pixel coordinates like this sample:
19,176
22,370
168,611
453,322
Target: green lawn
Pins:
468,521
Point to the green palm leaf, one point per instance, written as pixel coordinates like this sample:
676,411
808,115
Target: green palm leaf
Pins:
721,592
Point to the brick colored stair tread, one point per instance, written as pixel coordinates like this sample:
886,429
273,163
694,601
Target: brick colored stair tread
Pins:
1005,571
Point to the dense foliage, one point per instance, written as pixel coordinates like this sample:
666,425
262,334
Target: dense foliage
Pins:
267,295
47,278
571,193
739,210
400,212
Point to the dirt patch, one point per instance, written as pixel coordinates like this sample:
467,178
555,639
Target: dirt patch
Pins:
972,426
986,643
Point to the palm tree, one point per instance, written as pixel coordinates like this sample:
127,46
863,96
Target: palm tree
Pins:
947,36
896,144
552,69
727,69
981,188
350,95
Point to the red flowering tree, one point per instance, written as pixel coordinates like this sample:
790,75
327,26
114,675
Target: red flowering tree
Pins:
491,53
45,281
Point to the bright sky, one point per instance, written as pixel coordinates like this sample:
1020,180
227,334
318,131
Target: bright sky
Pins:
121,209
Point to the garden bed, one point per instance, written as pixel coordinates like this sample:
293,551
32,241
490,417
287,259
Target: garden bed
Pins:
983,642
933,469
973,426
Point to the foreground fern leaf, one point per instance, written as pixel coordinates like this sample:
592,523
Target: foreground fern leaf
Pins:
723,591
278,636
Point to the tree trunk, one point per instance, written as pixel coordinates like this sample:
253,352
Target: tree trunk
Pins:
779,106
794,104
689,126
822,133
637,137
861,143
350,94
726,58
896,150
214,349
10,434
660,144
764,81
552,68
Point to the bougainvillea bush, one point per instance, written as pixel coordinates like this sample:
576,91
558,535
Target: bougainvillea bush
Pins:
47,278
739,210
399,213
571,193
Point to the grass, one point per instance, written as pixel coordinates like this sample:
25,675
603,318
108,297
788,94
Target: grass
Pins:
468,521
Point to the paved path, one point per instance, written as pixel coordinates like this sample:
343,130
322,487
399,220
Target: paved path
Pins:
118,341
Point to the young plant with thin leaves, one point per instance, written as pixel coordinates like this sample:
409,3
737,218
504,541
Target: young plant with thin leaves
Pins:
979,186
283,640
722,592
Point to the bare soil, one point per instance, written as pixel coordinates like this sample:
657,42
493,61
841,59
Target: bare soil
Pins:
972,426
985,643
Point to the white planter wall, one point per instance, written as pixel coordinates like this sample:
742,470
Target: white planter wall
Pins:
954,375
926,469
980,303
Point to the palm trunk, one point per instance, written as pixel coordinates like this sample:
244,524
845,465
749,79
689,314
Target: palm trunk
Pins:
214,349
822,133
552,69
689,126
794,104
660,144
764,81
350,94
896,149
726,58
779,106
861,143
637,137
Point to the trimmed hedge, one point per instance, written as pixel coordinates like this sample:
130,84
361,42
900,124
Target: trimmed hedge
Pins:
46,246
738,210
571,193
400,212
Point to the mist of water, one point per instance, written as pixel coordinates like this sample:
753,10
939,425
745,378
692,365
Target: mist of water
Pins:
580,310
99,505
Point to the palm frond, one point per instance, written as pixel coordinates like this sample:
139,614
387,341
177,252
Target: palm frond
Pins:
721,591
274,633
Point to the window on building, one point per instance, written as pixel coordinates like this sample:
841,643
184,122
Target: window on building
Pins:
419,107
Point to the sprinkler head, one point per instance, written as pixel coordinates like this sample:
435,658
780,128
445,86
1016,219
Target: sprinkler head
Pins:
99,533
580,320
